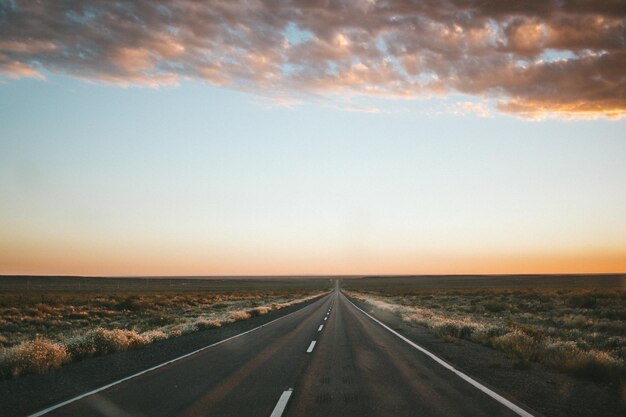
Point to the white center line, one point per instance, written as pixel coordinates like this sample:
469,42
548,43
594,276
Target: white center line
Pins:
282,403
320,328
311,346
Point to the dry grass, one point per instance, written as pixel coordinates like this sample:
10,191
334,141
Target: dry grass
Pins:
36,356
239,315
39,331
577,331
102,341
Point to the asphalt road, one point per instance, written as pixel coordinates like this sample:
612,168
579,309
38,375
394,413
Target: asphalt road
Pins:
356,367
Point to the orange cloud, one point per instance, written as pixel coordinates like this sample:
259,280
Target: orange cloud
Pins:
535,59
15,69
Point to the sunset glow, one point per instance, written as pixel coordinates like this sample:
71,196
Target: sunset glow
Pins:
359,137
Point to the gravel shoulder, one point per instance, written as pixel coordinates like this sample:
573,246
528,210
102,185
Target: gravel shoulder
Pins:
547,392
31,393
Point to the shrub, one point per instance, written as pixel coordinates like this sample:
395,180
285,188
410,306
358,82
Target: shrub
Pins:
187,328
204,324
600,366
447,330
154,335
517,343
101,341
239,315
567,357
465,332
36,356
259,311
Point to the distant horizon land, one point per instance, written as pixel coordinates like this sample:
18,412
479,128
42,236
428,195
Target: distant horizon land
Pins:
299,276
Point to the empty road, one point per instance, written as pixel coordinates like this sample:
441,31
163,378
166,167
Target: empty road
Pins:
326,359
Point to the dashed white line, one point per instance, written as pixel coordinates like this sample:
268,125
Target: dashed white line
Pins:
508,404
325,318
320,328
311,346
282,403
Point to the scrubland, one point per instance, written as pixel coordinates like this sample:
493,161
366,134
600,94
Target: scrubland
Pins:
40,330
580,331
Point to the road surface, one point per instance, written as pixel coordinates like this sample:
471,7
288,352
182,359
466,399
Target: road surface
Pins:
327,359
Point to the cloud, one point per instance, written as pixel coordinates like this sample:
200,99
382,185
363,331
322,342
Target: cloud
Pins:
465,108
494,50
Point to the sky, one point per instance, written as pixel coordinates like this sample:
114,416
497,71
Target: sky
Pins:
289,138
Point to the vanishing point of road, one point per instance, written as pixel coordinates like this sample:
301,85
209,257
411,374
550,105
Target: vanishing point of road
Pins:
327,359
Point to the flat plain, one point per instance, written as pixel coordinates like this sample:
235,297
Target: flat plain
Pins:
550,345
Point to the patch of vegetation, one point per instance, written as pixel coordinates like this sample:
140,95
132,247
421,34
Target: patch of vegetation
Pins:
44,330
580,331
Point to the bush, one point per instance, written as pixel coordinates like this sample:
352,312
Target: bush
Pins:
204,324
259,311
239,315
36,356
447,330
516,343
154,335
101,341
564,356
600,366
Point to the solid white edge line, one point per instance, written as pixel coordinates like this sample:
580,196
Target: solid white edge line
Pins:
311,346
511,406
145,371
282,403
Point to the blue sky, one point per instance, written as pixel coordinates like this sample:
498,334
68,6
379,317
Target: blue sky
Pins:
195,179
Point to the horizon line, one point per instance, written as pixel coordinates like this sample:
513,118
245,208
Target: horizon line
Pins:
310,275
